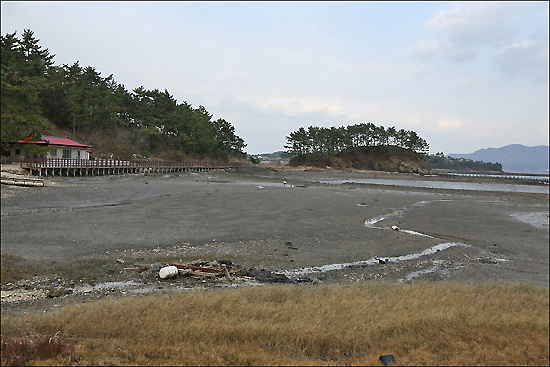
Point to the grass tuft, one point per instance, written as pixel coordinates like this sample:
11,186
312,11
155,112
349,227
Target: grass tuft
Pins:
50,348
14,268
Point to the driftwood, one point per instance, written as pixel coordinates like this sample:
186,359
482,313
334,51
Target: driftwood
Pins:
205,274
199,268
226,272
142,267
215,269
188,269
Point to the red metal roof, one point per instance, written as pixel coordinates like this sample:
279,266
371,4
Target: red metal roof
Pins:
54,140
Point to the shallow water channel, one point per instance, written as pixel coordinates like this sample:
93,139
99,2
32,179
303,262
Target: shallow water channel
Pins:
473,186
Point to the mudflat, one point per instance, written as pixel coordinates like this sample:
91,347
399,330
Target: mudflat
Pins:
287,221
250,213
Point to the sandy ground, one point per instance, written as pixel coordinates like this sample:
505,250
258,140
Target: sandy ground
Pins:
304,228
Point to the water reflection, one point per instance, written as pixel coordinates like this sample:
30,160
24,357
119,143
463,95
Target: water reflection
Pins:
473,186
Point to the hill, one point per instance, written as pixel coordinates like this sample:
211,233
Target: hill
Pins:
76,101
514,156
376,158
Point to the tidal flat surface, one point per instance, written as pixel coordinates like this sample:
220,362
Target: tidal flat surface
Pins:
286,221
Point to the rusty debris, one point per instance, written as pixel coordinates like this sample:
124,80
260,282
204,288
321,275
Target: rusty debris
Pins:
214,269
207,269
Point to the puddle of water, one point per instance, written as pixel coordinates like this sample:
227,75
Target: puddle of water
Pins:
428,251
433,269
399,212
371,224
415,233
395,213
260,185
102,286
539,177
373,260
474,186
416,274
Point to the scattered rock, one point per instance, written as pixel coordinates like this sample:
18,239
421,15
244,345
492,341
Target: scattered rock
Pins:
59,293
153,270
289,245
408,168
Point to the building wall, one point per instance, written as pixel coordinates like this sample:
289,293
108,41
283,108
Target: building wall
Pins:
75,153
72,153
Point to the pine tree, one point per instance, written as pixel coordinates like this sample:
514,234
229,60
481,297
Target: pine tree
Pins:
24,70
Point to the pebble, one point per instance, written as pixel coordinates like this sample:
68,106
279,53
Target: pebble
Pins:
22,295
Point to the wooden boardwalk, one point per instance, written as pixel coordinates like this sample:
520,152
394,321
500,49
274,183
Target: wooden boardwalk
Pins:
101,167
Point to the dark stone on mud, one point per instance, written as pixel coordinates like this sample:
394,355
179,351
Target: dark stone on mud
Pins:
387,360
225,262
59,293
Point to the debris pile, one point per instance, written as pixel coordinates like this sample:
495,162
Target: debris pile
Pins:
202,269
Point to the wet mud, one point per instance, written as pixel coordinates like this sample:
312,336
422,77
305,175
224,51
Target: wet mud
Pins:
292,224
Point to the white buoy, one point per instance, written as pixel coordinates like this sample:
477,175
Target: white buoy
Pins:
168,272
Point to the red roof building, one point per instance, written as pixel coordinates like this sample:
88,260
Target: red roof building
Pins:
65,147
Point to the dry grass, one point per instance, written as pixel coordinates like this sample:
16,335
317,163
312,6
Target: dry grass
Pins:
14,268
17,351
420,324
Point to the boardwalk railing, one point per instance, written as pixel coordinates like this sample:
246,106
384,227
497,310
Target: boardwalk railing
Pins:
115,163
73,167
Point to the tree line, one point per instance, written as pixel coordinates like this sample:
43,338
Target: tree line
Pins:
439,161
336,139
38,95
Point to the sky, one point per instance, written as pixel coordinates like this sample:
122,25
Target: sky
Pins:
464,76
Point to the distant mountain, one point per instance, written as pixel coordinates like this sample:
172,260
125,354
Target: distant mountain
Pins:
512,157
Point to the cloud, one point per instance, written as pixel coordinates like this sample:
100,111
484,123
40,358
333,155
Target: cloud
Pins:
289,106
449,124
528,57
370,69
426,49
473,22
232,74
458,54
469,25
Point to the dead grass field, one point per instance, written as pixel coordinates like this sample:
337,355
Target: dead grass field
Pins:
442,323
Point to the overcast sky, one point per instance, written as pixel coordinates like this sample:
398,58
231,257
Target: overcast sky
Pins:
464,76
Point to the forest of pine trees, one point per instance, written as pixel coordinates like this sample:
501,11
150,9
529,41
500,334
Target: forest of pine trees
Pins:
39,96
336,139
